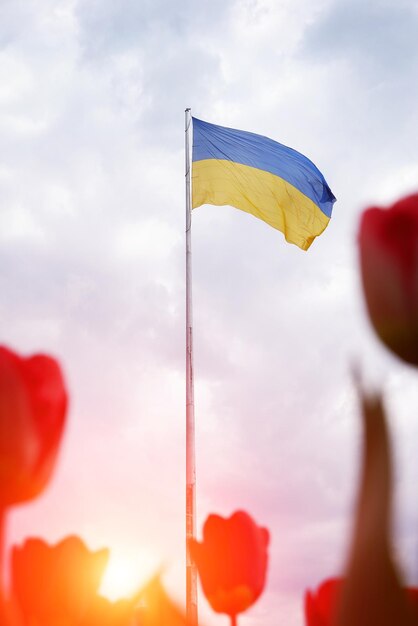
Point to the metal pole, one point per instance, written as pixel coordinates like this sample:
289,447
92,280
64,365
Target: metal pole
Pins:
191,574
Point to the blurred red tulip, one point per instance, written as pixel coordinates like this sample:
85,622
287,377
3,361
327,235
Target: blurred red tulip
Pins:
56,584
372,592
320,607
232,562
156,608
33,403
388,240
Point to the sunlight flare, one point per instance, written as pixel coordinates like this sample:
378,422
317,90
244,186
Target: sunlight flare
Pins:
127,571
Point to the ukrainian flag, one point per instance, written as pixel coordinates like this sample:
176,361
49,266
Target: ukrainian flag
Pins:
260,176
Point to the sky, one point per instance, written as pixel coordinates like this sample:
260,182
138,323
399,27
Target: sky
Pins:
92,99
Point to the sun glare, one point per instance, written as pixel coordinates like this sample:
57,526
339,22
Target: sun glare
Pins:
126,573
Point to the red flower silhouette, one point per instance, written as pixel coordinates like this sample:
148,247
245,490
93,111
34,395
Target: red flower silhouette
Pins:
56,584
388,241
320,606
232,562
371,592
33,403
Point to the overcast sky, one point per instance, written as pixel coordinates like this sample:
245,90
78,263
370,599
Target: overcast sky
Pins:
92,99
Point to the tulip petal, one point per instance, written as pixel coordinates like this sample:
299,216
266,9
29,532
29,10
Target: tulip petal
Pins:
33,403
320,607
56,583
388,242
49,402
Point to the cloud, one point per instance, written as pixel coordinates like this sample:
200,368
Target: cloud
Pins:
92,101
127,25
376,37
173,65
373,48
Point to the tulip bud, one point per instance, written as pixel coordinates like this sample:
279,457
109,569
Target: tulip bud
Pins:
388,240
320,606
33,403
231,561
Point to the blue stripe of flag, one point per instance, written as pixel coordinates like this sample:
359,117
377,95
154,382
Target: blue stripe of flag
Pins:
217,142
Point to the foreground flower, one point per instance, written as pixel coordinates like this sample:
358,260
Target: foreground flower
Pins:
320,606
388,240
33,403
156,608
56,584
232,562
103,612
372,592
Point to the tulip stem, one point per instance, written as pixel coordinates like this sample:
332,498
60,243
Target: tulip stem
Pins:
233,620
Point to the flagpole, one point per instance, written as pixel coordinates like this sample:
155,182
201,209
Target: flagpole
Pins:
191,574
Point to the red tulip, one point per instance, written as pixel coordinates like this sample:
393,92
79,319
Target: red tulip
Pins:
372,592
33,403
388,241
232,562
320,606
56,584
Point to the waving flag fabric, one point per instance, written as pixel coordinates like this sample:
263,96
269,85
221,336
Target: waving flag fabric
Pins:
260,176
